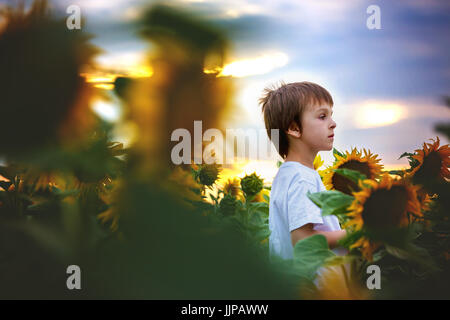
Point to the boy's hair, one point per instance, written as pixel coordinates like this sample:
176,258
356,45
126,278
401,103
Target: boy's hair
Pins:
285,104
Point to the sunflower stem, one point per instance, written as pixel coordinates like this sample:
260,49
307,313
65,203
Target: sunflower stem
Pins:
347,282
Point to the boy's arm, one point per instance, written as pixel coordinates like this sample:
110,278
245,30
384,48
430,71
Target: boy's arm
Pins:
307,231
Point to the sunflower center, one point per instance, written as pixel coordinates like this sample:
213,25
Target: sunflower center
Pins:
430,168
385,208
346,185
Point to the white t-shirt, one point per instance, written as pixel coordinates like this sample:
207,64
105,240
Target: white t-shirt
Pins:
290,208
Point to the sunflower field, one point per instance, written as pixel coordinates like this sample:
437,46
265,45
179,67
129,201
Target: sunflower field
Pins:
140,227
397,220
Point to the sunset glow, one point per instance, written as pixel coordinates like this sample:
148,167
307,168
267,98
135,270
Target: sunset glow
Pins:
377,114
253,66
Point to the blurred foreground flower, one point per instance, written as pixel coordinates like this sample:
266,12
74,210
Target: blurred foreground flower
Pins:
336,283
41,90
179,92
183,184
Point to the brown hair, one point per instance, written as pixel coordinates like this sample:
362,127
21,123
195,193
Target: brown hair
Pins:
285,104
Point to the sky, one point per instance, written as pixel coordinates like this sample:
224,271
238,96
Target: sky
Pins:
387,84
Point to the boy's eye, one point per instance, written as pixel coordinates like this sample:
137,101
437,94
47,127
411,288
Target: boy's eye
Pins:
322,116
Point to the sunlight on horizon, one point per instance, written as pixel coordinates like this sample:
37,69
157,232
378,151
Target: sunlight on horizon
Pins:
262,64
133,65
377,114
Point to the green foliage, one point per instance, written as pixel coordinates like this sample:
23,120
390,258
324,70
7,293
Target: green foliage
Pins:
337,152
310,254
352,175
331,202
412,162
252,220
397,172
228,205
350,238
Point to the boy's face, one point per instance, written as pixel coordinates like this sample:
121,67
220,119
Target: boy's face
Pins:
318,128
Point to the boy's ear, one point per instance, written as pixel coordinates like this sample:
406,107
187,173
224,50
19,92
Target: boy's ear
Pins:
294,130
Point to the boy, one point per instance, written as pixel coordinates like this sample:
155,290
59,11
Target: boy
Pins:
302,112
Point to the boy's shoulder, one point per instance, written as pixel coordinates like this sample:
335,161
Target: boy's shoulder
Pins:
291,172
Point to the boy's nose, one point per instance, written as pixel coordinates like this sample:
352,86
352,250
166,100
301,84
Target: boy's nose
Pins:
333,124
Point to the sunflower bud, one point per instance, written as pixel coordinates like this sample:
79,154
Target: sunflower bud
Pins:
251,184
208,174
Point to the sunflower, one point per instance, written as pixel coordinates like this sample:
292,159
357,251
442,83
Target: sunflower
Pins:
434,162
233,187
335,282
318,162
425,199
380,206
260,196
367,165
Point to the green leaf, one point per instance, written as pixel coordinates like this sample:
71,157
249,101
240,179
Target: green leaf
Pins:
264,211
378,255
350,238
413,253
353,175
338,260
261,234
336,152
279,163
310,254
331,202
412,162
405,154
255,206
397,172
256,218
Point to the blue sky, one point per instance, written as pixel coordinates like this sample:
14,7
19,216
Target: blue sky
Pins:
404,66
